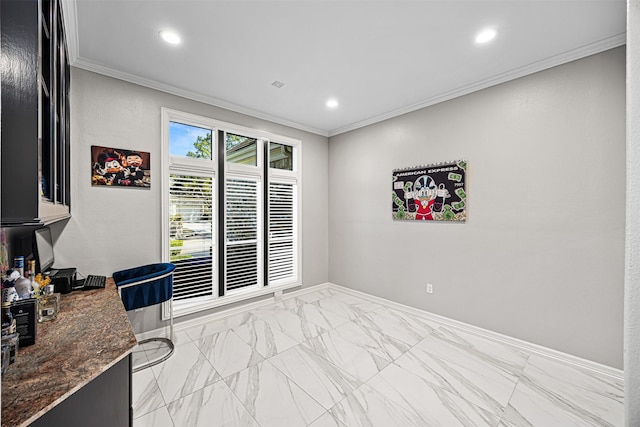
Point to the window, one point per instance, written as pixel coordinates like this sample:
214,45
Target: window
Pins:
241,149
283,243
230,211
282,232
190,235
190,141
242,248
280,156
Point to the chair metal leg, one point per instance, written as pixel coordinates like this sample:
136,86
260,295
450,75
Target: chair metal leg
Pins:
171,319
167,341
155,362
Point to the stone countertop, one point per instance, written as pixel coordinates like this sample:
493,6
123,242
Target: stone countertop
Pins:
91,334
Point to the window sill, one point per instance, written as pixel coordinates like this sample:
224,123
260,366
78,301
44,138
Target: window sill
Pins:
185,309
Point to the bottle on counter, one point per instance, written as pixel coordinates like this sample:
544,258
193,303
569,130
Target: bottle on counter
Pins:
18,264
9,337
35,288
32,270
48,305
7,317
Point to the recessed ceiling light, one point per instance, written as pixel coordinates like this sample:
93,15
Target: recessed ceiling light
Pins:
486,35
332,103
170,37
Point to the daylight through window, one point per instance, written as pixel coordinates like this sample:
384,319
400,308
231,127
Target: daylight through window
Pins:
231,211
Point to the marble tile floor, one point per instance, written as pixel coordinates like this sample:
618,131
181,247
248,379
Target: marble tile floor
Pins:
330,359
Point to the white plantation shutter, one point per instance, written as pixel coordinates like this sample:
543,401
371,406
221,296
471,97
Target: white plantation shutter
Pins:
191,235
282,221
230,208
242,261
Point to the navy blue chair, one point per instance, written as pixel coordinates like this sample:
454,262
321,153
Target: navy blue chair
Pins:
145,286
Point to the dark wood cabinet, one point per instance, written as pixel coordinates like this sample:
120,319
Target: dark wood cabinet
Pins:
104,402
34,113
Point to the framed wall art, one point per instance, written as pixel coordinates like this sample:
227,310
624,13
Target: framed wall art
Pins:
434,192
120,167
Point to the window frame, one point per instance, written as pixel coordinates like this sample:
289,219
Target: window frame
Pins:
259,240
214,243
296,232
286,176
262,170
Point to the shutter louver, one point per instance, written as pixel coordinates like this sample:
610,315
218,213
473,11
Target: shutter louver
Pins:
191,235
231,224
241,268
282,249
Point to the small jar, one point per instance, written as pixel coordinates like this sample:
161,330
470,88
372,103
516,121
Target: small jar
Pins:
48,305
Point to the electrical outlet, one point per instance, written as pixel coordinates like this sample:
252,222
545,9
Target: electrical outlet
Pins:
429,288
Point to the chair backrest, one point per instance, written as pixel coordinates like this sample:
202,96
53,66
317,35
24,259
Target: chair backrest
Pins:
146,285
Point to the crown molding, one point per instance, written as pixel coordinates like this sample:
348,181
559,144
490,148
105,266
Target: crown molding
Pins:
173,90
71,27
69,8
553,61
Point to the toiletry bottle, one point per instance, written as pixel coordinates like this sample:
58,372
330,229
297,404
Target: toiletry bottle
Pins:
7,317
48,305
9,334
18,264
35,288
32,271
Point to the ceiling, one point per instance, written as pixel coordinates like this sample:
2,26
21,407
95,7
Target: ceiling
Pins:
379,59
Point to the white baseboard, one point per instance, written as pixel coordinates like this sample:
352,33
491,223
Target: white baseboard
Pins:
549,353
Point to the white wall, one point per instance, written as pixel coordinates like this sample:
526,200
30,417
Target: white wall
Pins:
541,256
632,279
116,228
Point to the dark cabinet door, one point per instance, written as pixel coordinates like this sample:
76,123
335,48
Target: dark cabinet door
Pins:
34,113
20,111
104,402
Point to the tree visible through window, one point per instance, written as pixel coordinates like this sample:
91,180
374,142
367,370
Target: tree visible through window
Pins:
183,138
202,145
